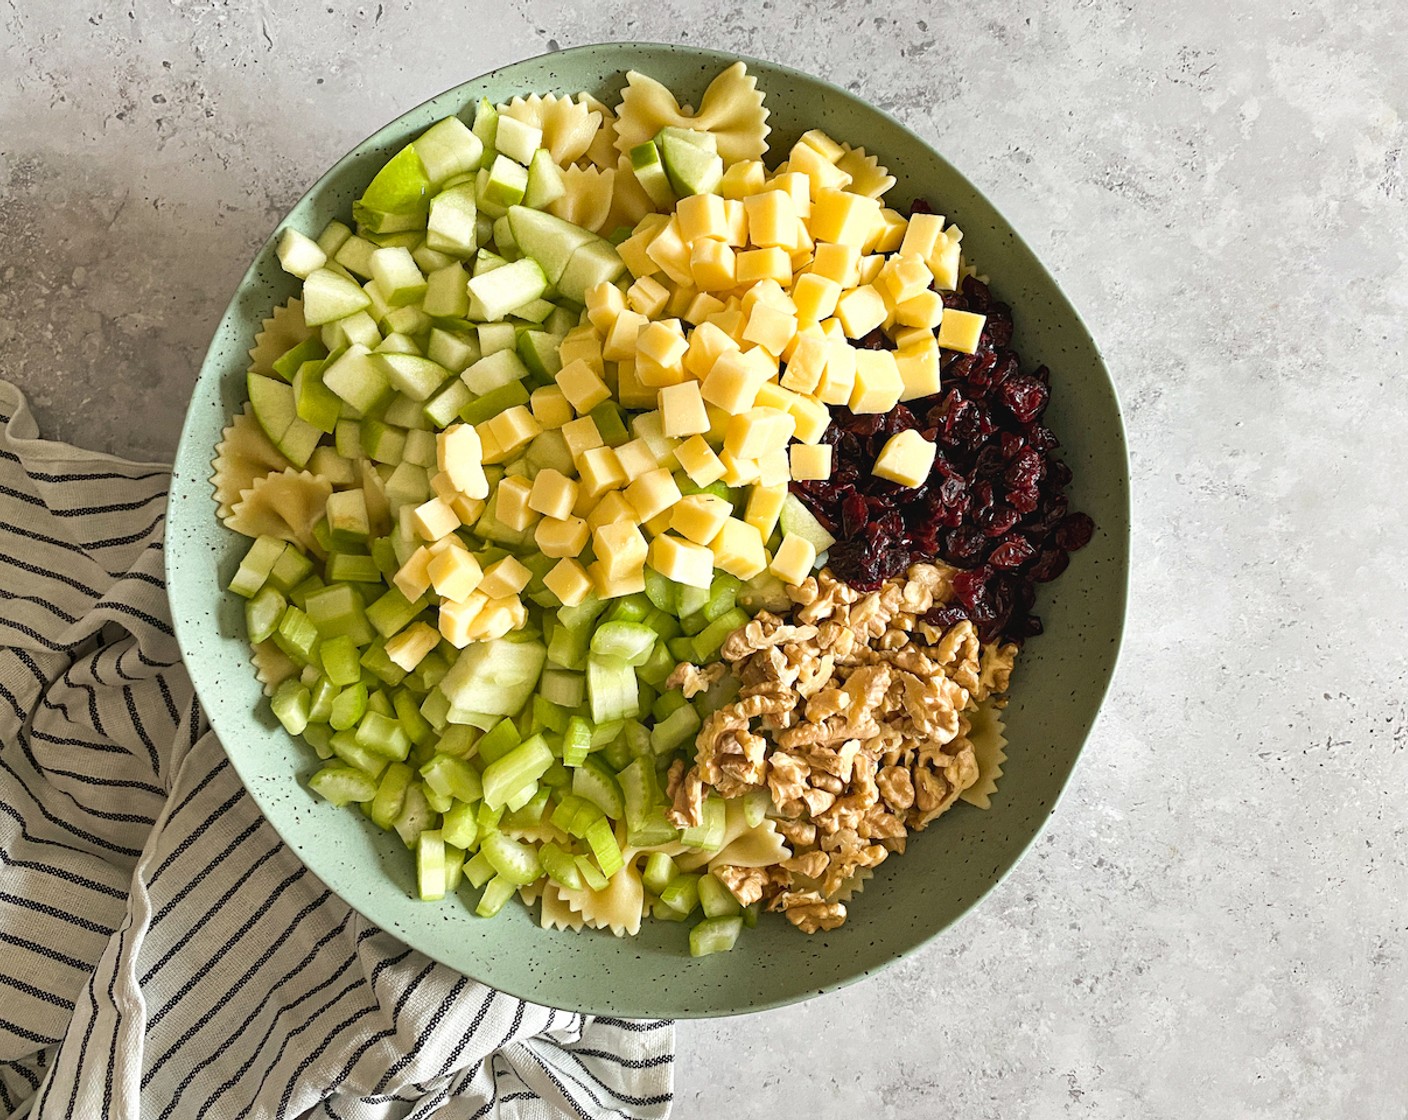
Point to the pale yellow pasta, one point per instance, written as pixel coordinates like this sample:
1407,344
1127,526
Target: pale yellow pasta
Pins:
285,505
243,454
539,834
281,332
530,893
271,665
602,150
760,846
556,913
568,126
868,177
617,907
629,202
732,110
853,885
587,202
989,749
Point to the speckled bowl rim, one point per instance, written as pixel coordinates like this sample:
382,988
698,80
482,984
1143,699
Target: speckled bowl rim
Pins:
190,499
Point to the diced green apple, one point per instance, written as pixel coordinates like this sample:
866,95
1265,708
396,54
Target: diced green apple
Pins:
401,187
545,182
596,262
332,237
446,294
452,227
494,372
547,239
355,255
501,291
328,296
287,364
539,352
448,148
494,337
505,185
650,173
411,374
455,350
692,167
299,254
358,380
397,277
486,127
315,402
517,139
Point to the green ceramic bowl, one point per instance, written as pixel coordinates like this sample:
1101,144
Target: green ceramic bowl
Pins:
1060,681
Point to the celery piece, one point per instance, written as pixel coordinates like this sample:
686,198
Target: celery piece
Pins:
452,777
258,562
681,649
337,610
379,702
290,704
429,673
645,697
591,874
560,866
586,815
479,870
456,741
723,595
576,741
515,771
393,612
631,608
710,832
344,744
319,737
605,733
263,613
460,824
692,600
493,402
341,660
661,591
676,729
430,865
666,626
691,624
415,816
640,792
454,865
320,702
496,894
548,715
750,914
556,776
383,735
391,794
495,677
531,812
438,802
667,704
498,741
349,707
612,689
710,640
660,869
604,847
681,894
630,642
658,666
517,862
376,661
435,709
617,753
716,899
714,935
756,805
566,811
654,829
662,913
342,784
290,569
637,738
296,635
489,818
412,722
563,688
593,781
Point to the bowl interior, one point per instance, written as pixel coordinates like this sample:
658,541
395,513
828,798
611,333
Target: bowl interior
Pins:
1060,681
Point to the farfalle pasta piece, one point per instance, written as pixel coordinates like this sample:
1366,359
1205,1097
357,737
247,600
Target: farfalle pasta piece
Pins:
617,907
851,886
530,893
587,201
555,913
760,846
989,740
868,176
282,331
602,150
629,202
568,126
732,110
243,454
271,665
285,505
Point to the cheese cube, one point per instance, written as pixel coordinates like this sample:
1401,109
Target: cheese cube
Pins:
657,524
840,377
699,517
925,310
620,342
823,143
662,342
764,264
906,458
454,573
581,436
600,471
903,278
512,429
844,218
412,579
891,234
460,455
772,219
796,556
605,301
961,330
680,298
768,291
635,458
561,537
468,510
569,581
770,328
635,252
812,418
822,173
607,586
619,547
840,263
815,297
550,407
582,343
860,310
944,261
682,410
553,493
806,364
652,493
434,519
581,384
921,235
774,469
706,343
878,384
910,338
738,549
747,176
496,618
612,507
647,296
442,487
699,461
773,395
701,307
713,266
919,369
632,392
681,561
733,382
511,503
736,219
759,430
408,648
670,251
799,187
702,216
764,505
730,320
457,619
869,269
810,462
504,578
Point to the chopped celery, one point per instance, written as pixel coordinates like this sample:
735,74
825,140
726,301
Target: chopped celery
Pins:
714,935
498,741
430,865
296,635
676,729
593,781
563,688
516,862
391,794
457,740
617,753
498,892
415,816
337,610
756,803
716,899
412,722
378,662
438,802
393,612
661,591
341,660
556,776
710,832
710,640
587,815
506,777
682,893
263,613
723,595
630,642
591,874
349,707
560,866
382,735
290,704
691,600
576,741
454,866
290,569
479,870
630,608
344,744
319,737
342,784
258,562
530,814
612,689
750,914
460,824
663,913
548,715
452,777
660,869
349,567
603,844
489,818
668,703
658,666
566,811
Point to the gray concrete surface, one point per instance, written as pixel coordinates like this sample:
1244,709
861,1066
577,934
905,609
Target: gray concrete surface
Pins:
1214,924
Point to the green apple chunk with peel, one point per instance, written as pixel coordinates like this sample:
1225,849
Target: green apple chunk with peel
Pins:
499,292
692,167
545,182
507,182
411,374
503,367
448,148
547,239
446,294
486,127
315,402
276,411
300,255
517,139
797,520
651,174
453,227
397,277
358,380
400,189
596,262
328,296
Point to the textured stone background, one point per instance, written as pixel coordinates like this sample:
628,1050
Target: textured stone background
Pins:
1214,923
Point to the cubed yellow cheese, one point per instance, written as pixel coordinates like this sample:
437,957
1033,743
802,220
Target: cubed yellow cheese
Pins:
631,389
736,219
707,341
553,493
903,278
919,369
434,519
844,218
832,328
682,561
738,472
921,235
412,579
681,297
442,487
738,549
815,297
878,384
582,385
468,510
408,648
860,310
731,320
907,338
773,395
812,417
699,517
839,263
701,307
891,235
759,430
444,544
550,407
619,546
652,493
768,291
713,265
635,458
600,471
564,537
906,458
657,524
513,429
924,310
733,382
823,143
822,173
620,342
511,503
702,216
699,461
607,586
810,462
944,262
460,455
682,410
663,342
799,187
457,619
806,364
764,264
769,327
497,618
605,301
612,507
635,252
839,380
747,176
961,330
795,558
869,268
504,578
569,581
774,468
647,296
670,251
764,504
772,219
581,436
454,573
582,343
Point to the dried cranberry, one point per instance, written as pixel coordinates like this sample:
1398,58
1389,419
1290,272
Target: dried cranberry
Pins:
964,544
1075,532
1012,552
1049,565
946,616
1024,396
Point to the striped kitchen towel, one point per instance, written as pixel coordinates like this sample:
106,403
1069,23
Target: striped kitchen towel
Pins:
162,953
